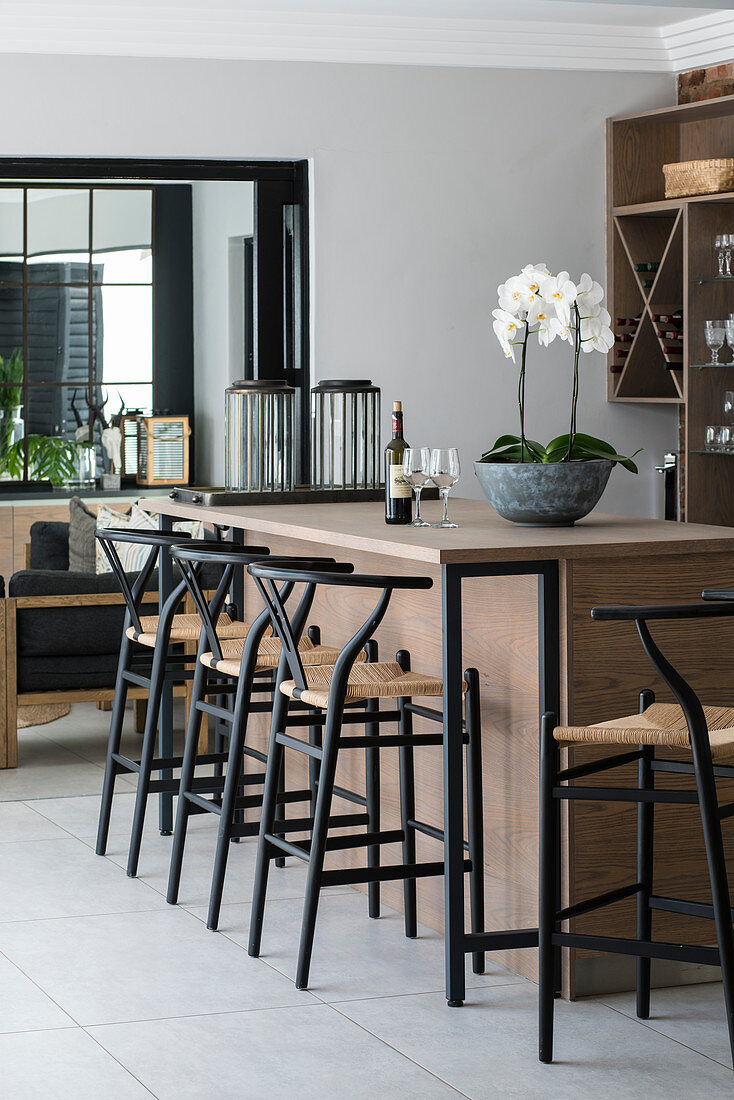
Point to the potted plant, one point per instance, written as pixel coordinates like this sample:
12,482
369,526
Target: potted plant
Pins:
50,458
11,397
557,483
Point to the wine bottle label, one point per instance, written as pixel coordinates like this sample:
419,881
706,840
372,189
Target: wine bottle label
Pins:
399,487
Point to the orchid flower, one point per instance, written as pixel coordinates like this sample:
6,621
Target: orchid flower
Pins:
588,296
534,275
505,325
596,332
561,292
515,296
541,314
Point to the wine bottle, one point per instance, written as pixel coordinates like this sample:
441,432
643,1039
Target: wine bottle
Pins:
398,493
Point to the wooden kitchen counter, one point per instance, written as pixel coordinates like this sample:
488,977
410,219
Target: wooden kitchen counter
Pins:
602,560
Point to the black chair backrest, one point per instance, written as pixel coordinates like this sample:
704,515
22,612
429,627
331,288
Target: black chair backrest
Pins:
157,541
191,556
267,574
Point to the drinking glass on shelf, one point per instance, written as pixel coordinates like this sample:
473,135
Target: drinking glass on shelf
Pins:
729,327
713,437
726,438
715,331
728,246
719,250
444,470
416,461
729,406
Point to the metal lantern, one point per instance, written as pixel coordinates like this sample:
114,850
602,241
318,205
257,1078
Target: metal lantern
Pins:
345,435
259,440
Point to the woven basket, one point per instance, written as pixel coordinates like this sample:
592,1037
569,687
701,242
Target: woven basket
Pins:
698,177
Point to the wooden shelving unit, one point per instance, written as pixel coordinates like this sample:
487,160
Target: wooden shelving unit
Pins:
643,227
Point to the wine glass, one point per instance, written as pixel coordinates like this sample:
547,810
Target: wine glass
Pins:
444,470
728,245
416,462
719,249
729,406
715,331
729,325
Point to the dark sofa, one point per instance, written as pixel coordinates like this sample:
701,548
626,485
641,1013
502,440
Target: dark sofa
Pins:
60,632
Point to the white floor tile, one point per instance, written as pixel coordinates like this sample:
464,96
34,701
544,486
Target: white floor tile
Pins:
488,1048
63,878
63,1065
19,822
46,770
196,876
23,1006
143,966
691,1014
79,816
353,956
311,1053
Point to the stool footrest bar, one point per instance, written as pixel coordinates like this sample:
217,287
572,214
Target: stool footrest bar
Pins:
594,766
598,902
500,941
305,824
352,876
680,905
644,949
622,794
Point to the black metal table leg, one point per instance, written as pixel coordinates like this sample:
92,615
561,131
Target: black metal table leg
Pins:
453,786
165,717
457,943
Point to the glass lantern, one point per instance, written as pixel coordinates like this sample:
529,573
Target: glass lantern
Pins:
259,440
345,435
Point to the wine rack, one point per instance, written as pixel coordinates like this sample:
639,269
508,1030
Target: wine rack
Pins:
662,285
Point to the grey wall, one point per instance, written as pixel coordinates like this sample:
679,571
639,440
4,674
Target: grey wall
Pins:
429,187
220,212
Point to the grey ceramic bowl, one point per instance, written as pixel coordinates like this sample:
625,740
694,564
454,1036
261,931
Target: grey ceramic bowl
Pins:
532,494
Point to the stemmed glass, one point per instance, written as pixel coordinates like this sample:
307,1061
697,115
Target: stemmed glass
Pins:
444,469
715,338
415,471
730,332
728,245
719,248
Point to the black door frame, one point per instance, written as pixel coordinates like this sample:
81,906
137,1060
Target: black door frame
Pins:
281,197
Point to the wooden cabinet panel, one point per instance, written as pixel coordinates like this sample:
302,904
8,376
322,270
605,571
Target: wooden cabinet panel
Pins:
16,521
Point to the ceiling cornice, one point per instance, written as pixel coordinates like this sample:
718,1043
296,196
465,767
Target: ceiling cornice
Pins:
184,32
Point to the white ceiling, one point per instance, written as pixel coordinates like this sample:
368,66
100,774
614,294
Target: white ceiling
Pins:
542,34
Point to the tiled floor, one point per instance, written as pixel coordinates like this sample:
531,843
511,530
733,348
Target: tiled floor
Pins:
108,991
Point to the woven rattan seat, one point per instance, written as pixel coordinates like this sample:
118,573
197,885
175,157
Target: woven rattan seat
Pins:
268,655
186,628
661,724
378,680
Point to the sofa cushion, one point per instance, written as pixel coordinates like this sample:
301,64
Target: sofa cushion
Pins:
82,543
76,630
49,545
67,673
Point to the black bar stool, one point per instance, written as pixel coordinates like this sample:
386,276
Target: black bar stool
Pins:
162,633
330,692
704,734
249,662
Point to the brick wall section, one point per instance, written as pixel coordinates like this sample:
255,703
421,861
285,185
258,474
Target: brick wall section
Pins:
710,83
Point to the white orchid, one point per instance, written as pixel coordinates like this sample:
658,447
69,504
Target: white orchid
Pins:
588,296
542,315
534,274
561,292
596,332
550,307
515,296
505,325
